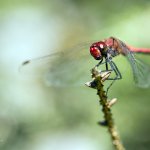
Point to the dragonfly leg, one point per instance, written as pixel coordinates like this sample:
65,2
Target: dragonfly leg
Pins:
113,67
116,70
117,73
100,63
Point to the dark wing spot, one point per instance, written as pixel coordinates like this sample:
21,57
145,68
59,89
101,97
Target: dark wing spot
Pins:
26,62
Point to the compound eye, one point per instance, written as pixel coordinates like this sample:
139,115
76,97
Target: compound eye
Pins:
95,52
101,45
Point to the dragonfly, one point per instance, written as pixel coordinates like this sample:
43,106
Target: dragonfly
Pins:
71,66
112,47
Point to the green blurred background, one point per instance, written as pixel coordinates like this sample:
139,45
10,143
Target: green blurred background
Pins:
36,117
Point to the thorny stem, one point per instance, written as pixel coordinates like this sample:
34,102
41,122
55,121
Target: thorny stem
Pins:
98,79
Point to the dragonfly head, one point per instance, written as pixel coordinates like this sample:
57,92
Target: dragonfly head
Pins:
97,50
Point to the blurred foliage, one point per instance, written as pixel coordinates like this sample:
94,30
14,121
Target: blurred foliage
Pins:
34,116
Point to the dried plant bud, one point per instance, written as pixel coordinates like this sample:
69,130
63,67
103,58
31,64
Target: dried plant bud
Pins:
91,84
105,75
95,72
111,102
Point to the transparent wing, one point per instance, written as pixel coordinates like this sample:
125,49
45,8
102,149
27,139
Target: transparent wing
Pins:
141,71
70,67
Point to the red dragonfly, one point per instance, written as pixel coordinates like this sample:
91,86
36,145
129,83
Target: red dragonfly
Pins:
112,47
69,67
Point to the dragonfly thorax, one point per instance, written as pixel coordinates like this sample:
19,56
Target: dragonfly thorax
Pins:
112,52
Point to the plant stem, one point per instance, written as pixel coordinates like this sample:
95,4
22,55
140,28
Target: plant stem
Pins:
108,122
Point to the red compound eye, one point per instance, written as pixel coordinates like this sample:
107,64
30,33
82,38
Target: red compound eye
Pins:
95,52
101,45
96,49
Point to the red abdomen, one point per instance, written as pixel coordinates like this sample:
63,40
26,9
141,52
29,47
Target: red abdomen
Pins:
139,50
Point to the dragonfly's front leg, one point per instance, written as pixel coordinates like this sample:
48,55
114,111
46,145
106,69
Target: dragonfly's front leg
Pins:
100,63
